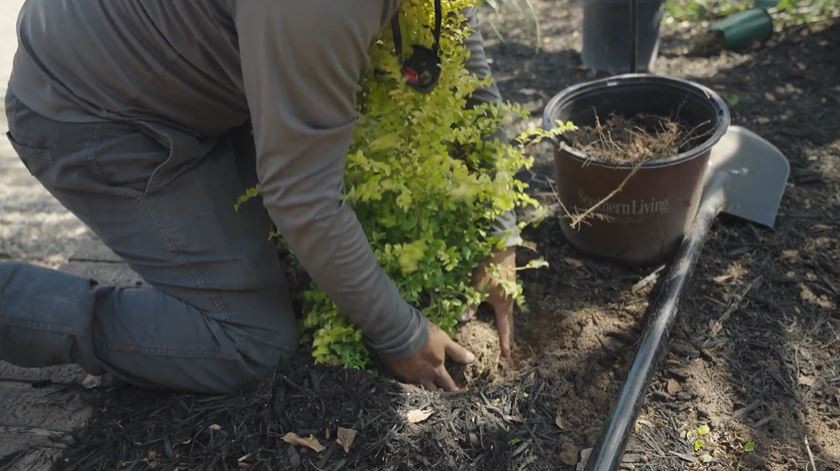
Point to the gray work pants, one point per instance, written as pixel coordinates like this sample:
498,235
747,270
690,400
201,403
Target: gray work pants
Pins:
218,315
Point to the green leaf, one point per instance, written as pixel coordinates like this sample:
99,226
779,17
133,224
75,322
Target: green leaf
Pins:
698,444
703,430
249,194
733,100
749,447
534,264
706,458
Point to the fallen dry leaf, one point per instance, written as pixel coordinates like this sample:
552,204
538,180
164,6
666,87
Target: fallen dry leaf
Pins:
806,380
826,303
789,256
346,436
558,419
573,262
722,279
310,442
415,416
673,387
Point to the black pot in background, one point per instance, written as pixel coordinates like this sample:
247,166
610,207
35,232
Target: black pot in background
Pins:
606,34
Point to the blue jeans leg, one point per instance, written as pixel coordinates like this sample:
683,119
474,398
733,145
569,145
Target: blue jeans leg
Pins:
218,314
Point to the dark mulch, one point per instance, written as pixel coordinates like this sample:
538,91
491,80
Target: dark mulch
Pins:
754,354
486,427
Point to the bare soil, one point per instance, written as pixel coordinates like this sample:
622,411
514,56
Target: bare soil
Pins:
753,355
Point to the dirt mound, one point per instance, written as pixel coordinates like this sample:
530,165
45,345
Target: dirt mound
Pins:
482,340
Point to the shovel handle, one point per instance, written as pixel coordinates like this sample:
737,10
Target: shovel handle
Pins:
634,36
607,454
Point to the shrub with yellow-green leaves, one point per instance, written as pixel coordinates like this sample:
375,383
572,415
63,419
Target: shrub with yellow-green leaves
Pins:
426,181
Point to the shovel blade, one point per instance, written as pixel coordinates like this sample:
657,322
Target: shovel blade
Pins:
759,173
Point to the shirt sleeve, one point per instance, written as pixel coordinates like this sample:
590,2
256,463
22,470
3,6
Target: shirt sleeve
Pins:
301,64
505,226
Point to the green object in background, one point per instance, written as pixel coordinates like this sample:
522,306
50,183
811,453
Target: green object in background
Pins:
737,31
765,3
744,28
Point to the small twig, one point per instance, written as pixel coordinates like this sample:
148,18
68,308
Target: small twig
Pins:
810,456
576,220
648,280
690,134
735,304
764,421
746,409
496,31
557,198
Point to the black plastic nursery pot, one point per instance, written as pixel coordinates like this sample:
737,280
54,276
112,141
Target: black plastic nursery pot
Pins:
607,34
644,223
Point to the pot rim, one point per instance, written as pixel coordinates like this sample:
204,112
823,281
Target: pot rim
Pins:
642,79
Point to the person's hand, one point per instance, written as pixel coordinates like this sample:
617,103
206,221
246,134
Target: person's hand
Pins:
497,297
426,367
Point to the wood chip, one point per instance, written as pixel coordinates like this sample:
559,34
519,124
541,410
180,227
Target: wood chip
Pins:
573,262
584,458
346,437
310,442
673,387
822,301
415,416
215,427
790,256
806,380
92,382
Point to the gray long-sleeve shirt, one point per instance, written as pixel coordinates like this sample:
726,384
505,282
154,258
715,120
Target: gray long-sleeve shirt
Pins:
205,66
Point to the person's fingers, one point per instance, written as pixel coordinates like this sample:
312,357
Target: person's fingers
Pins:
444,380
458,353
504,325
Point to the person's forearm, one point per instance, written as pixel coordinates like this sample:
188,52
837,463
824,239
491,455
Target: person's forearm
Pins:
301,66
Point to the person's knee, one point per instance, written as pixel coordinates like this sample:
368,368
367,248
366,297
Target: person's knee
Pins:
266,349
263,327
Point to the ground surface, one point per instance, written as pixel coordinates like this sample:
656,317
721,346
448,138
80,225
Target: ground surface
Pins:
38,408
33,226
754,355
